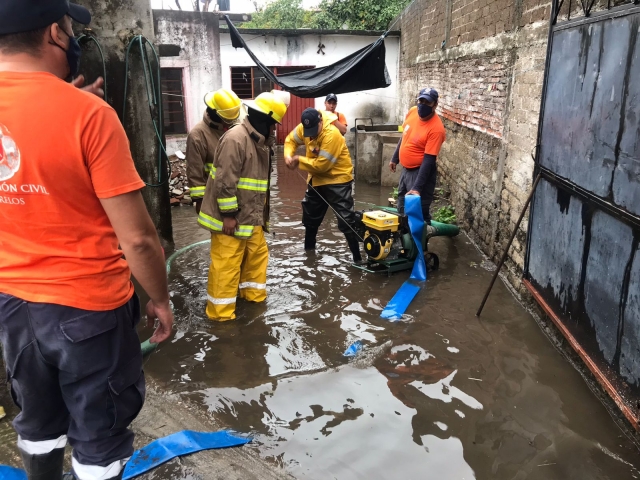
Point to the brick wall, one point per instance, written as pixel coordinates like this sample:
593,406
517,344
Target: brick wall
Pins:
489,73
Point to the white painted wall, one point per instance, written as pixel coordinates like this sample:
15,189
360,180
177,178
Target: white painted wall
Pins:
301,50
197,35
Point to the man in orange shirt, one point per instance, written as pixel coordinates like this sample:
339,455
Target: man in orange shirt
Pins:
330,105
417,151
69,196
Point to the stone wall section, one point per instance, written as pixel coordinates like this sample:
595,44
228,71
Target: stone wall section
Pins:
486,58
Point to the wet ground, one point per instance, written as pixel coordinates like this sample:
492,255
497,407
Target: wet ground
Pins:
439,395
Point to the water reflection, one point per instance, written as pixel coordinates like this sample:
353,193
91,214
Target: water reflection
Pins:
441,396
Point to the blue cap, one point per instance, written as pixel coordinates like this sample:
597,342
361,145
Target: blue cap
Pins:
311,119
429,94
17,16
330,97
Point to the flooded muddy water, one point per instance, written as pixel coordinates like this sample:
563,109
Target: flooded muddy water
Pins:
440,395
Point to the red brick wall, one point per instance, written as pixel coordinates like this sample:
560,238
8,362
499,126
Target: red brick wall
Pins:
476,19
489,75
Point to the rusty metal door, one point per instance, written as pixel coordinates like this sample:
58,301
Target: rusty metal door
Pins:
292,117
296,107
583,257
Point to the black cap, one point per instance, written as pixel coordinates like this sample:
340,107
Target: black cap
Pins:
17,16
331,96
311,119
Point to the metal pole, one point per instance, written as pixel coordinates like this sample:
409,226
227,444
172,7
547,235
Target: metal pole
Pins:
506,250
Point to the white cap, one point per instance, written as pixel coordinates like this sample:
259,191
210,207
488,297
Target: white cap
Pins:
282,95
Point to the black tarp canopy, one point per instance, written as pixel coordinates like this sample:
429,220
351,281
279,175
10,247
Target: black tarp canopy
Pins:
364,69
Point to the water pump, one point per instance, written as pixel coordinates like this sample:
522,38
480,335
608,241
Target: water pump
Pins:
388,243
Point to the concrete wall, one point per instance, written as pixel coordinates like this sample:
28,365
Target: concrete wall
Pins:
374,151
302,50
197,35
114,24
486,58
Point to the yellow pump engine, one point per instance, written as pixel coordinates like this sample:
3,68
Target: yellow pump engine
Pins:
388,242
379,234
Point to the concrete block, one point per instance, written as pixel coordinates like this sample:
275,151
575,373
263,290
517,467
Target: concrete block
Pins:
388,178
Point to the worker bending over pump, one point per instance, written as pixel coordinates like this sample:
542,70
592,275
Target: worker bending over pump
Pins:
330,176
224,110
417,151
236,209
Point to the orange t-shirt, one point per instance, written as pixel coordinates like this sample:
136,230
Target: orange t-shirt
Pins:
420,137
61,151
342,119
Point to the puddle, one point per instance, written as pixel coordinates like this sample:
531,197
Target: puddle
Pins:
443,395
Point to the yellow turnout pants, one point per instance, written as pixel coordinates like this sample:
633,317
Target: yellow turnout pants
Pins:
236,265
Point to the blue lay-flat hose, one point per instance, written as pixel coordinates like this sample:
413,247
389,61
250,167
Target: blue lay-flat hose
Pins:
409,289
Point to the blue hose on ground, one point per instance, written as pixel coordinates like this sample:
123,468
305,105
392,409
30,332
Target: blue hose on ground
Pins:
175,445
10,473
409,289
159,451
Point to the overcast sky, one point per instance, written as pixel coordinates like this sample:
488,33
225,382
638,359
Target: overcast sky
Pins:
238,6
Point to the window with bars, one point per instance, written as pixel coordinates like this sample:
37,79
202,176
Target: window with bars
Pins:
175,122
249,82
242,82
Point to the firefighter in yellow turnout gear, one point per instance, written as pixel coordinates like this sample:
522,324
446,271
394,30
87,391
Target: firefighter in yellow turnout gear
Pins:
224,110
236,209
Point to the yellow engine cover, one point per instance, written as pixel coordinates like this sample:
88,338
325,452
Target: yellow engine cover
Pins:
374,247
381,221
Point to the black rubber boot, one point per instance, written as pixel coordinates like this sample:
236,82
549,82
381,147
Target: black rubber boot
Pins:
354,246
310,235
47,466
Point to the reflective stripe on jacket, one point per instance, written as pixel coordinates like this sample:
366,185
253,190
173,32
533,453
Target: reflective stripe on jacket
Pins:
238,184
327,158
201,147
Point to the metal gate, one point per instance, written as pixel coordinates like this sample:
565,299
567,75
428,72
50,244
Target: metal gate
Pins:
583,259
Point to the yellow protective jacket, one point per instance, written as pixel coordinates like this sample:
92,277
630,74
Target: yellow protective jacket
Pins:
238,184
202,142
327,158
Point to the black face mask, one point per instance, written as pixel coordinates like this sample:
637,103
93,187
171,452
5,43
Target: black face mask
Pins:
74,52
261,122
424,110
213,115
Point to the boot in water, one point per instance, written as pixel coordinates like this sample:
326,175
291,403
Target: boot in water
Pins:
310,235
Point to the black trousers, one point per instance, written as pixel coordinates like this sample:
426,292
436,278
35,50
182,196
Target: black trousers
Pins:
74,372
339,196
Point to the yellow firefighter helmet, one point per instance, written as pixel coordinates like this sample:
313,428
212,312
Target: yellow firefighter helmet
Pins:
225,103
270,105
